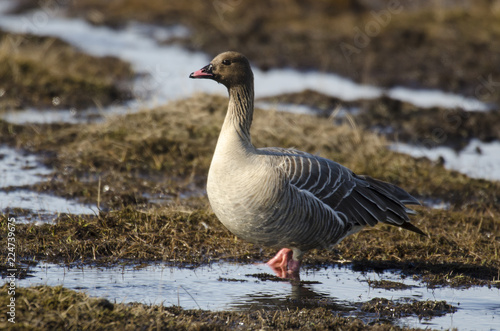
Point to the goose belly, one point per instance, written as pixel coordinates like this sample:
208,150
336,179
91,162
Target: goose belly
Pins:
241,207
274,215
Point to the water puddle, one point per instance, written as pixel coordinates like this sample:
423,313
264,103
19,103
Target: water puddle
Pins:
477,160
231,286
435,203
40,208
18,169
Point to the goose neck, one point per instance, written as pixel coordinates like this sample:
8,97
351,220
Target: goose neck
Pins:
240,110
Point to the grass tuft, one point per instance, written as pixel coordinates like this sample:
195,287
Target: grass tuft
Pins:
46,72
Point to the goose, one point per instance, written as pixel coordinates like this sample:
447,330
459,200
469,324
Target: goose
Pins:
286,198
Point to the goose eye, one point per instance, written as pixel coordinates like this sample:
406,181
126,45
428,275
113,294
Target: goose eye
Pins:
226,62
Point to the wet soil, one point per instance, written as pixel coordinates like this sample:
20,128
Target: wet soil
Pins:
387,284
187,236
422,309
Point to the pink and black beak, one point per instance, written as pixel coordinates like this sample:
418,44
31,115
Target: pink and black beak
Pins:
205,72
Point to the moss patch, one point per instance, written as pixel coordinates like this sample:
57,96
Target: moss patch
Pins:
422,309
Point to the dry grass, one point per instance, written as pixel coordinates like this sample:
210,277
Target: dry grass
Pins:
174,235
172,145
46,72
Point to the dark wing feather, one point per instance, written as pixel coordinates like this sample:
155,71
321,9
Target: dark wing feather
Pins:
362,199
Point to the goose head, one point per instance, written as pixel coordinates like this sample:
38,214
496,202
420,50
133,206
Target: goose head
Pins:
229,68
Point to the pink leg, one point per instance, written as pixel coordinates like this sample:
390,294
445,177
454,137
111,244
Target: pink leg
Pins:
280,260
283,265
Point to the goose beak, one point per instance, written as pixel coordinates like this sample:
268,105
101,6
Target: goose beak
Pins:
205,72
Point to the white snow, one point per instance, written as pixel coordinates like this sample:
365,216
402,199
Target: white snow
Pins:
477,160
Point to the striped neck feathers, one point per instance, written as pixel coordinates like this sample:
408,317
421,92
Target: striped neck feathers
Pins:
240,110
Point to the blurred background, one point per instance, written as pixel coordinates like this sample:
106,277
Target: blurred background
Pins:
450,46
445,44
